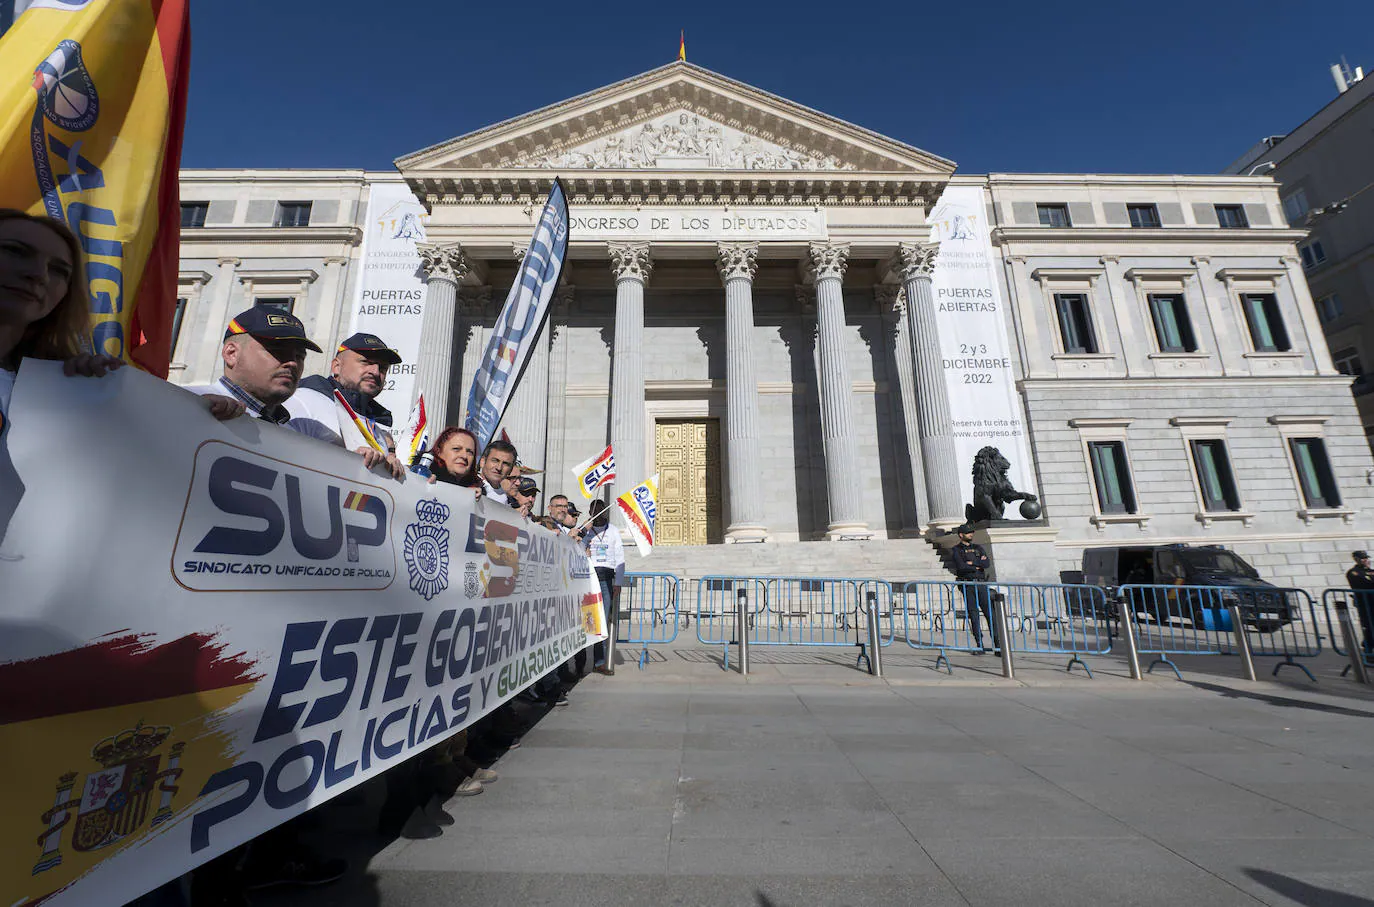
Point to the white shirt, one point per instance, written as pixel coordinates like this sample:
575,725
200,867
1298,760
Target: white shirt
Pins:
320,417
605,549
255,407
494,492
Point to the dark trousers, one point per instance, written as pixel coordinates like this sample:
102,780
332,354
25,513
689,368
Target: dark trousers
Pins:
978,597
1364,604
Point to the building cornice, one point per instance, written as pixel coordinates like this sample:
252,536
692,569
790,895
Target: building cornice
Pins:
686,187
191,236
1002,235
1082,180
1096,385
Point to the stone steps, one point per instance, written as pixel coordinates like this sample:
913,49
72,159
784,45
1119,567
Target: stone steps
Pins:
894,560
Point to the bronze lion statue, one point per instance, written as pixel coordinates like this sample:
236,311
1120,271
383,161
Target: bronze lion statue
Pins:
992,491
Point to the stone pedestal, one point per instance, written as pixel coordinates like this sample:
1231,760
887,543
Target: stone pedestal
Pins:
1021,551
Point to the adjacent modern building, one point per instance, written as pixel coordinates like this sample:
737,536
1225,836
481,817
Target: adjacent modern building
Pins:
1325,171
754,308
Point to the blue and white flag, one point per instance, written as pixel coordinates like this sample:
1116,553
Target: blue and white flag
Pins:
521,319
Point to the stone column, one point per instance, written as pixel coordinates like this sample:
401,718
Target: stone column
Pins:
916,264
632,265
444,267
842,469
208,365
736,263
556,467
892,303
324,331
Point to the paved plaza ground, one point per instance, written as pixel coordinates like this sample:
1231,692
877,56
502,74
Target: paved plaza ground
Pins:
812,783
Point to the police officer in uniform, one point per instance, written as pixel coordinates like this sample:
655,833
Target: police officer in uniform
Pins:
1361,579
971,564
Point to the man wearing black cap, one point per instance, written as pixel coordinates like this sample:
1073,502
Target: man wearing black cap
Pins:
971,568
264,355
358,374
1361,579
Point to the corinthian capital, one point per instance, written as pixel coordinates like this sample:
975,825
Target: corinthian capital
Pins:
631,260
443,262
916,259
737,259
829,259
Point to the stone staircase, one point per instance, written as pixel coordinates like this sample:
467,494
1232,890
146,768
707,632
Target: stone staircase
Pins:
895,560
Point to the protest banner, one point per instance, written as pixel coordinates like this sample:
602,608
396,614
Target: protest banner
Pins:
210,632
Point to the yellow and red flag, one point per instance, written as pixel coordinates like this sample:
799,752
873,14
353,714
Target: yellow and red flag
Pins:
92,110
639,507
682,46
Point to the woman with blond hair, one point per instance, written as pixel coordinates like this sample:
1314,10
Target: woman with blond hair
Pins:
45,305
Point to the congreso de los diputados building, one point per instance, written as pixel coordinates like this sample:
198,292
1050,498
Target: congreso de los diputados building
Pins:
812,332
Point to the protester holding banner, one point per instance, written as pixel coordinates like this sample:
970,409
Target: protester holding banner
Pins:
498,462
606,554
45,305
358,375
455,458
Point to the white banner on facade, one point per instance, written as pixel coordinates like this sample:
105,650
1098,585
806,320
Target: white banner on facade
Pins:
389,299
207,635
973,322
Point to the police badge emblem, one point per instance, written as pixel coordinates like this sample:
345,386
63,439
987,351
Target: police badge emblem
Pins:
426,549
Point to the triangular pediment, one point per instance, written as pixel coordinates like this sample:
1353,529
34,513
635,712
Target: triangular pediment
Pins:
677,118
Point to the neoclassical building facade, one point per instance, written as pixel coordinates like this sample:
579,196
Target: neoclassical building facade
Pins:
754,308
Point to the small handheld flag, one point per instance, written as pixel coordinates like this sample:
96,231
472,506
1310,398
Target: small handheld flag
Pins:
639,506
595,472
415,438
360,424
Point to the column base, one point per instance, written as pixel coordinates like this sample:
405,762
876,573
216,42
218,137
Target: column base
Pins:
746,532
847,532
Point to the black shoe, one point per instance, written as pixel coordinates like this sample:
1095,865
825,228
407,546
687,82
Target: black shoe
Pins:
561,699
301,867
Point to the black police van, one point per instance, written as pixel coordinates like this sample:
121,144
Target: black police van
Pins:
1204,566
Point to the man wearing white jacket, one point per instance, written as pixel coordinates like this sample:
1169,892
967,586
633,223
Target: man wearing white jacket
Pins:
606,554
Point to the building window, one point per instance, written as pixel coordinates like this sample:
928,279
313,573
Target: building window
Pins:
1232,217
1266,324
1075,322
1111,477
1173,329
1295,207
280,303
177,316
293,214
1329,307
1214,476
1053,215
1317,481
1143,215
1312,254
193,213
1347,362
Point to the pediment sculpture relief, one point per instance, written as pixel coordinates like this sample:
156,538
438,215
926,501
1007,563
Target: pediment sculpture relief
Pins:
683,141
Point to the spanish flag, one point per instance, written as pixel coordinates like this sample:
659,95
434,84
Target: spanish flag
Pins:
682,46
92,109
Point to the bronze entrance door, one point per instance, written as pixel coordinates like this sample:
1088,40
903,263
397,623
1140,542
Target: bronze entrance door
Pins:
687,460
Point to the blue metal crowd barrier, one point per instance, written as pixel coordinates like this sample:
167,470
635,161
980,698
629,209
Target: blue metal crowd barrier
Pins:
1041,618
1195,620
793,611
1361,605
1058,619
649,604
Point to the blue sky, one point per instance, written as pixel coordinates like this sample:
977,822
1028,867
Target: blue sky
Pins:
1163,86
